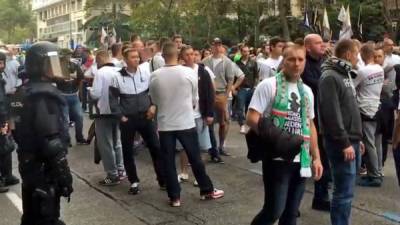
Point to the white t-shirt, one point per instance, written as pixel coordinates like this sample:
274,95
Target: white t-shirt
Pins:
265,70
196,109
264,97
118,63
368,83
392,59
173,89
274,63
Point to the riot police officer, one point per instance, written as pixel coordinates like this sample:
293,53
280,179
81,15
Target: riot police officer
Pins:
41,133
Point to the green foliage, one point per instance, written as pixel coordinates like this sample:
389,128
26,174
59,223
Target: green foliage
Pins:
16,21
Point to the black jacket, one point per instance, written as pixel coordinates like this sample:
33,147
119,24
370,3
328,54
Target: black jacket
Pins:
130,105
206,93
250,70
4,104
340,119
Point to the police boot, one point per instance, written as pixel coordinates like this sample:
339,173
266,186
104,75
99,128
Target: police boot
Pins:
3,189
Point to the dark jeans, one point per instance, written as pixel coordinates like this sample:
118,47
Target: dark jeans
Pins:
84,94
74,111
188,139
148,131
243,99
321,186
284,189
344,178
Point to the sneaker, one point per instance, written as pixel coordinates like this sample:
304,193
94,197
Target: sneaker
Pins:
134,189
195,183
122,175
110,181
11,180
243,129
183,177
71,124
216,159
363,171
175,202
216,194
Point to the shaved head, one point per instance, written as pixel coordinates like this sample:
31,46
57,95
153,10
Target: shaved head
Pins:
314,45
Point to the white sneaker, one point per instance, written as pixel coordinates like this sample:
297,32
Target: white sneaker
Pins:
183,177
243,129
195,183
216,194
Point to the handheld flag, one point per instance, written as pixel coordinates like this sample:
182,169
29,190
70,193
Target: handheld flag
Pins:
346,32
326,28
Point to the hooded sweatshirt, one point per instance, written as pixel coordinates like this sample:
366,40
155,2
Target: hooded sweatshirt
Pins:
340,119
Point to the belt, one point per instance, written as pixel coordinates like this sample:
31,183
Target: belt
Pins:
220,92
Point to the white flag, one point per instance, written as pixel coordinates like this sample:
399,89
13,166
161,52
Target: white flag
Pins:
346,31
326,28
103,35
113,37
342,14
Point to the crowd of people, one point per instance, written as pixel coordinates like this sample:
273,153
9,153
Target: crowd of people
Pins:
308,108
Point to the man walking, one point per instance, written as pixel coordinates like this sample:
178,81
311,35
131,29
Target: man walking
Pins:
173,89
246,89
340,124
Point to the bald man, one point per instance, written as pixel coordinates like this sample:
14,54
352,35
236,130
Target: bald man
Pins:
312,72
390,58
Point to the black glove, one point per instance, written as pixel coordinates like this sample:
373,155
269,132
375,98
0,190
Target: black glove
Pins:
63,178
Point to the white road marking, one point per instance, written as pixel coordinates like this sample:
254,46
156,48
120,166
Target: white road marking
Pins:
15,199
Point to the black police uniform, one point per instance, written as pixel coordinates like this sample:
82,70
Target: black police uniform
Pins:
41,133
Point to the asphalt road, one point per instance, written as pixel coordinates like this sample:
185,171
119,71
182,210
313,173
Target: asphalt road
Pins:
92,204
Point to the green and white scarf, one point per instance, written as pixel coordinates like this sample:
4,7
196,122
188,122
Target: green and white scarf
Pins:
280,113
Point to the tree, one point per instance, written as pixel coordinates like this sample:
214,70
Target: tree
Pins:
16,21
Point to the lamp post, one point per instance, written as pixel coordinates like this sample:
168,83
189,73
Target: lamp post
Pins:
71,40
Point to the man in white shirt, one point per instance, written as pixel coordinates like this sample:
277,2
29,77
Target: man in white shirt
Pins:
157,61
390,58
173,89
368,83
284,182
117,59
108,136
276,46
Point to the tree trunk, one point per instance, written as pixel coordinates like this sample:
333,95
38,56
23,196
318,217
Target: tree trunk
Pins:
283,9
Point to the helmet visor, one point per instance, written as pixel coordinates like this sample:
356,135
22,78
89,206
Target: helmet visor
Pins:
55,67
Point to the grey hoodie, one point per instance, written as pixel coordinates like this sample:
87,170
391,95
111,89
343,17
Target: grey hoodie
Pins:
340,119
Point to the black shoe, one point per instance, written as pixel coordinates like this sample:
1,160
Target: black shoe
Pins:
216,159
11,180
134,189
370,182
110,181
3,189
321,205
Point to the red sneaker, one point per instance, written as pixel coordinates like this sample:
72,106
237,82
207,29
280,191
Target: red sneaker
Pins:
216,194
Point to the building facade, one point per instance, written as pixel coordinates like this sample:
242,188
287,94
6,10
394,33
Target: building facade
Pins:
60,21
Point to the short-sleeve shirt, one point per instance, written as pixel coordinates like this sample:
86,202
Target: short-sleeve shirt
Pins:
264,97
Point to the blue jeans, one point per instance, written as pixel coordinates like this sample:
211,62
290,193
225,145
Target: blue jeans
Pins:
243,99
188,139
344,175
284,189
73,111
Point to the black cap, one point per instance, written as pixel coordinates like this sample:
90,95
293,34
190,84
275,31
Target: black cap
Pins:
217,40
